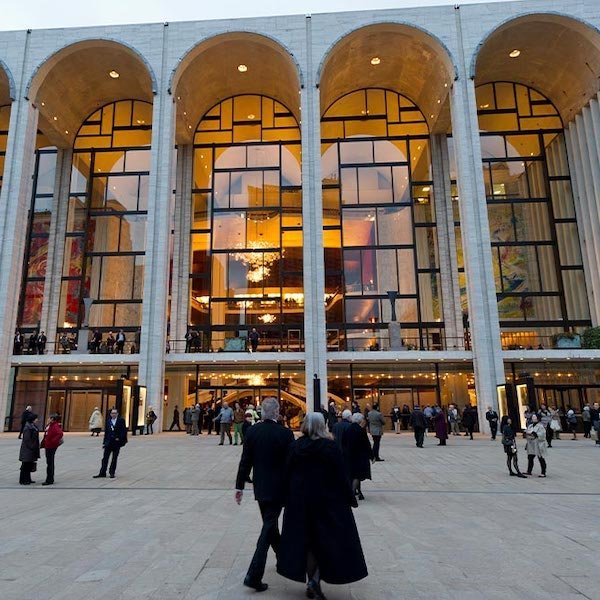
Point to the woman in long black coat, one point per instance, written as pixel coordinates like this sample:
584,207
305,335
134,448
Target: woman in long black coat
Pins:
30,449
358,454
319,538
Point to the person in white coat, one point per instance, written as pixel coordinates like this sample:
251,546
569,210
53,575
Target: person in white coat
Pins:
536,445
95,423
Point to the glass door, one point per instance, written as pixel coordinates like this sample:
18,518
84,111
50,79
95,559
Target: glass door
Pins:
79,408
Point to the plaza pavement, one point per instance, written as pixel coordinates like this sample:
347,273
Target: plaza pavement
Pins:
437,524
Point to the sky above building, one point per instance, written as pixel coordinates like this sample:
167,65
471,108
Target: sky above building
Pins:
38,14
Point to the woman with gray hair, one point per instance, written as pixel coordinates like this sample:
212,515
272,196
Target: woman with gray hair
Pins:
360,454
319,539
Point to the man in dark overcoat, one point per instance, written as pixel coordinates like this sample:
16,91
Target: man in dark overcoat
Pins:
115,437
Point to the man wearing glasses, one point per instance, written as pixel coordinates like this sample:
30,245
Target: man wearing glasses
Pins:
115,437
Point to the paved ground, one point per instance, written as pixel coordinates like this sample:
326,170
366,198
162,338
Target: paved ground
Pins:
438,524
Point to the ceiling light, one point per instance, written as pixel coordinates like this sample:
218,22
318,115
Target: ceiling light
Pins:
55,118
426,188
514,53
43,104
114,74
251,116
66,131
242,68
375,60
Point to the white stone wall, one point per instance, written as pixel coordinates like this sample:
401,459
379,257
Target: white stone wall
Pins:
308,40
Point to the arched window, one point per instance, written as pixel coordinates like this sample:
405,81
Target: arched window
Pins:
536,252
105,238
246,230
379,222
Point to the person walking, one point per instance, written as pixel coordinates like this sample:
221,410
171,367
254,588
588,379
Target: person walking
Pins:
95,422
536,445
175,422
195,415
248,422
491,416
405,417
225,419
24,418
150,419
376,423
357,453
395,417
238,421
319,539
209,418
572,422
509,443
331,416
115,437
441,427
266,446
544,416
53,438
30,449
341,427
418,422
595,418
469,419
586,418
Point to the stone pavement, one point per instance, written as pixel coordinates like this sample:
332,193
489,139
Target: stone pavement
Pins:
437,524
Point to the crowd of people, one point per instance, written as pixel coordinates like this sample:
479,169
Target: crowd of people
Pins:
34,343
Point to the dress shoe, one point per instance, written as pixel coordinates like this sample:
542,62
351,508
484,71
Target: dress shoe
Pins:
314,588
48,483
380,460
521,476
259,586
360,496
220,443
112,475
100,475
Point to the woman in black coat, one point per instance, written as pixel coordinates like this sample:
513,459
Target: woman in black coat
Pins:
359,454
30,449
319,536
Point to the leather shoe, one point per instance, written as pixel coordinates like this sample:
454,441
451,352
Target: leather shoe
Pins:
112,475
314,589
98,476
48,483
259,586
380,460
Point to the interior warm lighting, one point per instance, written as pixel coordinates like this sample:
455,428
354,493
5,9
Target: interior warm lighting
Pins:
114,74
251,117
375,60
426,188
242,68
514,53
55,118
267,318
259,262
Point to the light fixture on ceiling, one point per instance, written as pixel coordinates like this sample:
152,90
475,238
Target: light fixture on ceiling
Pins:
251,117
55,118
43,104
114,74
375,60
242,68
514,53
426,188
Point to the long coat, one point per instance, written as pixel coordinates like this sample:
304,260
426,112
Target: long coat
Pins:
441,429
318,515
30,444
95,420
357,453
376,422
536,444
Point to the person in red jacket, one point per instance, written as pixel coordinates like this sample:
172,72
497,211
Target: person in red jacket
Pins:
53,438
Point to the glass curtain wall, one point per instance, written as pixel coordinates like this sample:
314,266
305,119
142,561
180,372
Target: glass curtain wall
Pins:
105,239
536,252
379,223
246,230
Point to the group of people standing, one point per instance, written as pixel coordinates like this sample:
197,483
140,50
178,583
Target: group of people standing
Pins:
34,344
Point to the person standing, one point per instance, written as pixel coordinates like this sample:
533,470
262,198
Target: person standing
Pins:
331,419
419,424
32,343
96,341
175,422
248,422
319,538
536,445
587,421
491,416
238,421
150,419
266,446
187,419
405,417
225,418
454,419
341,427
110,342
572,422
53,438
115,437
509,443
41,342
24,418
545,418
469,419
30,449
376,424
209,418
395,416
254,338
440,426
357,454
18,342
195,415
120,342
95,422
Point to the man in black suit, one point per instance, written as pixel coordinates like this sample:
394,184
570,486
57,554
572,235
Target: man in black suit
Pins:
115,437
418,422
265,451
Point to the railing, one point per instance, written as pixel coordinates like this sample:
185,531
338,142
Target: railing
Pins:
338,341
533,341
202,343
70,346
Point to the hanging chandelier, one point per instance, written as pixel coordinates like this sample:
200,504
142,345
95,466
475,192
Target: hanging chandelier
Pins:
258,261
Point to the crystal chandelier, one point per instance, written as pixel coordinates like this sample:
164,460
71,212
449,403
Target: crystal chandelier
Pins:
260,262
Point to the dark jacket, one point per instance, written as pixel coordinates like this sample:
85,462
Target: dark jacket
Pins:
265,449
24,417
117,437
418,420
30,444
469,417
318,515
440,424
357,453
339,429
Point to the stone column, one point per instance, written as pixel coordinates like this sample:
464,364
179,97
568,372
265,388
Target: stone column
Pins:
56,245
181,247
483,308
156,274
315,341
450,287
15,199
